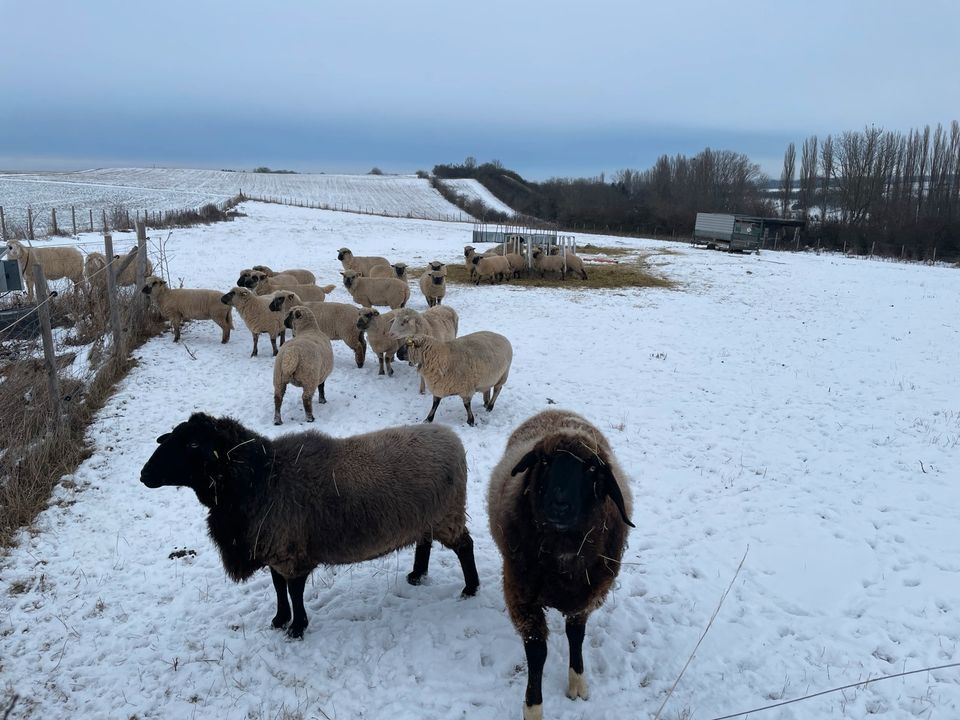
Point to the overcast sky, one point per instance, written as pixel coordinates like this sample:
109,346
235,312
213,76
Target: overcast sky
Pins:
548,88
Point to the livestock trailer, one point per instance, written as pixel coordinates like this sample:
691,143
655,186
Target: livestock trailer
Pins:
743,233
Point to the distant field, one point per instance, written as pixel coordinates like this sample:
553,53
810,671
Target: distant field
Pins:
165,189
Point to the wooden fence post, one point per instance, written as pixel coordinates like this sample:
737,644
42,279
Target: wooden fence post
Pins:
53,221
30,223
112,293
3,224
73,218
49,353
91,219
105,228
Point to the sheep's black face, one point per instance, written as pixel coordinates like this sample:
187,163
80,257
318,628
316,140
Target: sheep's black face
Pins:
402,352
341,254
185,457
276,305
227,297
437,279
567,489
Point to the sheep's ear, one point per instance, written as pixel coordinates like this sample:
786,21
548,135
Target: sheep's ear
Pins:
526,462
163,438
613,491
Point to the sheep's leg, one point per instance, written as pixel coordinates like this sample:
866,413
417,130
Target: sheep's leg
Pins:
380,360
466,404
177,324
421,560
360,351
536,652
528,618
283,337
486,397
295,587
423,384
273,344
283,606
433,410
463,547
225,337
389,360
308,403
493,398
577,683
321,392
256,339
277,402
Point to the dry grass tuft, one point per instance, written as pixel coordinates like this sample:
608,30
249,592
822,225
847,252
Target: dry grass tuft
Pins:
630,272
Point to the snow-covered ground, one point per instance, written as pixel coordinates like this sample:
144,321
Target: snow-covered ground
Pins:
474,190
154,189
805,407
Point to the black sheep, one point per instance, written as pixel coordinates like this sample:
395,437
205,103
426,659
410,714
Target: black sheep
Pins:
559,508
307,499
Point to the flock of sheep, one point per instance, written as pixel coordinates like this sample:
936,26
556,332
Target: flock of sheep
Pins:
559,504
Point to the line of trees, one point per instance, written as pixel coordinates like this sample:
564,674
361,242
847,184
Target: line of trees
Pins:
663,199
877,190
887,192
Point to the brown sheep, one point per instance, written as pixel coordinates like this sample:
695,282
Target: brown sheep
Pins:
308,499
377,327
559,507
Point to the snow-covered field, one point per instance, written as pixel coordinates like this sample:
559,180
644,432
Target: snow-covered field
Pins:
805,407
154,189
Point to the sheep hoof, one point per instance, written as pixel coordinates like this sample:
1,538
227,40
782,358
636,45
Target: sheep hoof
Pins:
295,631
532,712
469,591
277,421
415,578
310,418
280,621
577,686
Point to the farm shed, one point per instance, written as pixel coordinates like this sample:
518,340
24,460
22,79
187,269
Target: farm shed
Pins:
742,232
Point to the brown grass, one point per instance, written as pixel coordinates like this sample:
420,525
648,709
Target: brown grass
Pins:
631,272
38,450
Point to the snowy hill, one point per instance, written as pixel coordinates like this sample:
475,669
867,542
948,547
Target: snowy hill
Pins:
805,406
172,189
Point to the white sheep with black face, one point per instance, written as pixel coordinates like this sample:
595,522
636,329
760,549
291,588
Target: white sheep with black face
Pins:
180,304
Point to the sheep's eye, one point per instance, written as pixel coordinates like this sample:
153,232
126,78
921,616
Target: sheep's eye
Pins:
592,469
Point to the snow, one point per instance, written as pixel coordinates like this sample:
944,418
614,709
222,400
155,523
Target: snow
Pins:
806,407
154,189
475,190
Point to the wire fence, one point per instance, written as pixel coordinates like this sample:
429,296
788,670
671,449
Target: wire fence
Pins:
60,356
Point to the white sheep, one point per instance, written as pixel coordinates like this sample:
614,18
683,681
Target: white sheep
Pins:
493,267
304,277
377,327
57,263
368,291
397,270
438,322
179,304
306,361
257,316
260,283
338,321
362,264
433,285
478,362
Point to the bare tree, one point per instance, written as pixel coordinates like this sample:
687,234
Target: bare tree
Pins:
826,174
808,175
786,178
